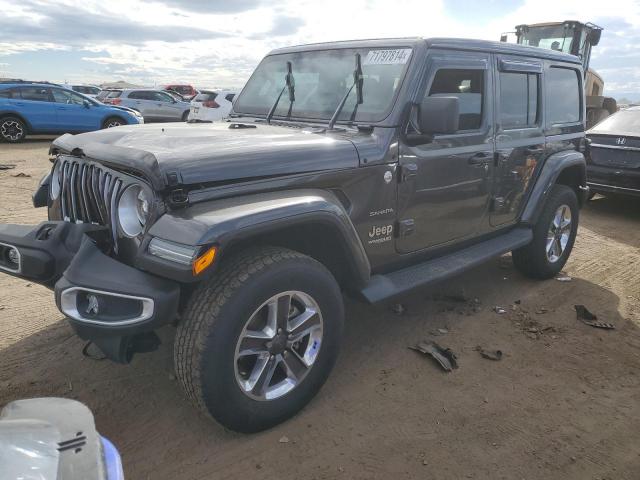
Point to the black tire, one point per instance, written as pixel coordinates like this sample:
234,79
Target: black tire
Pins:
112,122
215,318
185,116
532,260
12,129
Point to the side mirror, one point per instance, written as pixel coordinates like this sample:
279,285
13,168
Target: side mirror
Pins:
86,103
439,115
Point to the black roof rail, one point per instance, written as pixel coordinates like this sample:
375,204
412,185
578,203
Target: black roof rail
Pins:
19,80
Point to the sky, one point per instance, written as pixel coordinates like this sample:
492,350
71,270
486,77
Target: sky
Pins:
217,43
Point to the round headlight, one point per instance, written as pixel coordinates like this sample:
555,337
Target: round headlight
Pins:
55,187
133,210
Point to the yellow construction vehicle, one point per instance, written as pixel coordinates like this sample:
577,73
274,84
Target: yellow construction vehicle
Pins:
575,38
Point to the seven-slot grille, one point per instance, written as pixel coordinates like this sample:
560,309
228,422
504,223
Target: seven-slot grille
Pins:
88,193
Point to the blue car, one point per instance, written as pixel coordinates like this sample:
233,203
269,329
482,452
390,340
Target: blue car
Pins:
43,108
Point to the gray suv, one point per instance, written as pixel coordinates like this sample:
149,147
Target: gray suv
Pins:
154,105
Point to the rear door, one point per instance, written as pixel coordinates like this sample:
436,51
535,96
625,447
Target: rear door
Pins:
144,102
36,105
446,184
520,140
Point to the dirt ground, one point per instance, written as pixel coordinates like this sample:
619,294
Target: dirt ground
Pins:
563,403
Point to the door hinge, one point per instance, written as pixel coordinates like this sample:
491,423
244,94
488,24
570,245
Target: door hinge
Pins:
406,227
407,171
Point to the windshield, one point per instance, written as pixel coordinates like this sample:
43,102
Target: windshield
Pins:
554,37
321,79
624,121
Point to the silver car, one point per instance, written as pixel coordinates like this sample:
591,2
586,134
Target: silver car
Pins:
154,105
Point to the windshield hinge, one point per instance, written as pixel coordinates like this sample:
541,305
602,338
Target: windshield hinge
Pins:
407,171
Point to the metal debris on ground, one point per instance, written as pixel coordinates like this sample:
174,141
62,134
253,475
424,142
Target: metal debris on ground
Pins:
489,354
399,309
588,318
444,356
564,278
7,166
21,175
499,310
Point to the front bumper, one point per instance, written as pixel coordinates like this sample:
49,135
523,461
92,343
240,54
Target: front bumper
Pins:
113,305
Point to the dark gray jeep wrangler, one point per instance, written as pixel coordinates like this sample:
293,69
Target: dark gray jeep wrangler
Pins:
370,167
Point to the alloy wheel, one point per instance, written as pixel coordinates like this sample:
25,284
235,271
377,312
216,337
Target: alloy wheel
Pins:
278,345
12,130
559,233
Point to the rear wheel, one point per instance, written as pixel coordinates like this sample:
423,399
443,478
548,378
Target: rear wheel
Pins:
258,341
12,129
112,122
553,236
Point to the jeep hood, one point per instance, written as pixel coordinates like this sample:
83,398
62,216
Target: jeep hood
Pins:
201,153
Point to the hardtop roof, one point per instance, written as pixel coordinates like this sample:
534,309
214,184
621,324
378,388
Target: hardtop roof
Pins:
445,43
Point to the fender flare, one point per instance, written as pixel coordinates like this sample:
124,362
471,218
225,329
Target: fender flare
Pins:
551,171
6,113
227,221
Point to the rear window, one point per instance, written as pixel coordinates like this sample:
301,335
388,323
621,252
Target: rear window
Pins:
518,100
563,95
35,94
624,121
205,97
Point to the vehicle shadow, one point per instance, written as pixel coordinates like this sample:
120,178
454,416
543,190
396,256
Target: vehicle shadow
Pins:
386,409
614,216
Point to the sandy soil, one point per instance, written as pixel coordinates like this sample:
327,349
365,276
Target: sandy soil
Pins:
563,403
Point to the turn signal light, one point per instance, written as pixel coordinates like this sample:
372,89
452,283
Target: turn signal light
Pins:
204,261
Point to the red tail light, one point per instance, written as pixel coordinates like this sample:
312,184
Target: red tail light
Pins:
115,101
210,104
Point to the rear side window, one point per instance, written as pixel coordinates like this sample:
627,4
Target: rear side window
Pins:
563,95
36,94
6,93
138,95
518,100
468,87
229,97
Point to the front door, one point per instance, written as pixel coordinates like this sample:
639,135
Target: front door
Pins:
445,186
75,113
520,141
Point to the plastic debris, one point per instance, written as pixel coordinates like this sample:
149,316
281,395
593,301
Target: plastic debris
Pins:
588,318
444,356
7,166
564,278
399,309
489,354
284,439
499,310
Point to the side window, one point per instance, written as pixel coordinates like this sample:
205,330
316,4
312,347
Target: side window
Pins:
137,95
67,96
518,100
468,86
229,97
6,93
563,95
162,97
35,94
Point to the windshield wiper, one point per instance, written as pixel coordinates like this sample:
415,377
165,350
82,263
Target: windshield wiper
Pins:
358,81
289,84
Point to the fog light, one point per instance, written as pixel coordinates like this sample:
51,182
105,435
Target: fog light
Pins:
10,258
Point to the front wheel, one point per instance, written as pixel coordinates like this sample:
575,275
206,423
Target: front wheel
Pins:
113,122
259,340
12,129
553,236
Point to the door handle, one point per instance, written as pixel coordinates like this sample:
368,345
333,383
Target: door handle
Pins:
480,158
533,150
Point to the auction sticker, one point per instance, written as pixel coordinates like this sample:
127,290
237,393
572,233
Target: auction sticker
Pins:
388,57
